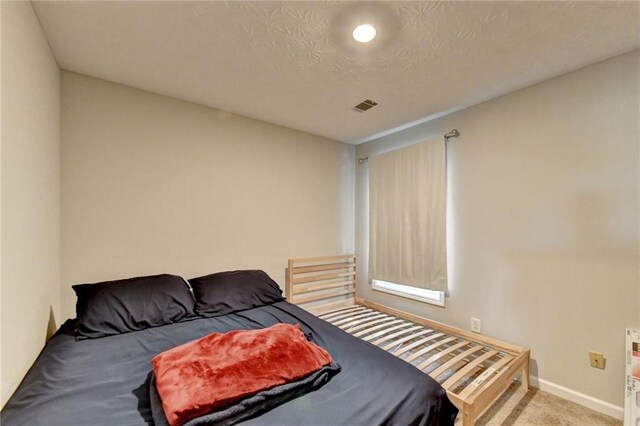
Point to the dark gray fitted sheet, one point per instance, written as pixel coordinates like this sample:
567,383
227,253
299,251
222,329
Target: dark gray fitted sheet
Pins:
105,381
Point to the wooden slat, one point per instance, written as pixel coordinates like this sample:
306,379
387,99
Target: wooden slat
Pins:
358,319
321,308
368,324
327,267
410,335
322,284
413,345
473,386
385,331
455,360
497,344
322,287
344,319
429,348
340,312
322,277
316,297
467,369
376,328
324,258
434,358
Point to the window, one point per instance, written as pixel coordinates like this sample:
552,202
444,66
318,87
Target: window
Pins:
415,293
407,218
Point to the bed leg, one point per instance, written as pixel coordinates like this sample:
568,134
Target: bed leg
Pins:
525,373
468,416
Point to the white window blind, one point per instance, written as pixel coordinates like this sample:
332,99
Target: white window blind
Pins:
407,216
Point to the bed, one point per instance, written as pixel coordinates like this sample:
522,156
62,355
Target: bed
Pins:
105,380
474,369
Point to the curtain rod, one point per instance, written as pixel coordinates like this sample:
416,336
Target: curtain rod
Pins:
452,134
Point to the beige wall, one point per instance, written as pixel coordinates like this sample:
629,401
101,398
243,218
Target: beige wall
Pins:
30,191
543,231
152,184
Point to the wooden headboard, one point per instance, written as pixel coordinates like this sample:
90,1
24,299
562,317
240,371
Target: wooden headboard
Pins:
321,284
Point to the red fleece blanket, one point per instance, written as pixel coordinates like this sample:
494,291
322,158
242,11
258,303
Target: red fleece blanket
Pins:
219,369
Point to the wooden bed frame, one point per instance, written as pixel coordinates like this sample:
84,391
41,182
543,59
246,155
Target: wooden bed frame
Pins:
474,369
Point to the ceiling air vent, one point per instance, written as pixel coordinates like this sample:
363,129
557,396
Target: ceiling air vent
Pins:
365,105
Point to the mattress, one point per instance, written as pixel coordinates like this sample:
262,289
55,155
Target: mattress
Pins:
105,381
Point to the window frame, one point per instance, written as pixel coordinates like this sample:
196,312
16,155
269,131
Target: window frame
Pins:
432,297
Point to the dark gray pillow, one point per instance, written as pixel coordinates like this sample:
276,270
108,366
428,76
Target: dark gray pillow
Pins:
116,307
226,292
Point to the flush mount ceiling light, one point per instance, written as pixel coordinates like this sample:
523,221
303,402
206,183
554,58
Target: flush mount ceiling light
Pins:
364,33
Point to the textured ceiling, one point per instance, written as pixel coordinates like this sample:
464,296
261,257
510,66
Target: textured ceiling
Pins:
295,63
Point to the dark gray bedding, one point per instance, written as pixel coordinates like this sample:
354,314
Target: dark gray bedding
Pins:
106,381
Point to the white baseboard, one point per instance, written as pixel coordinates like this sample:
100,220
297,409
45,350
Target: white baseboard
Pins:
579,398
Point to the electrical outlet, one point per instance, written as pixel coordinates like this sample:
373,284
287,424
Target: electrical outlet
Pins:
476,325
596,359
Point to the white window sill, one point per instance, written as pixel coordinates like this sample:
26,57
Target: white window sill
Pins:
420,294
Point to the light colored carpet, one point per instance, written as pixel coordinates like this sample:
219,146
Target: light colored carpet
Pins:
539,408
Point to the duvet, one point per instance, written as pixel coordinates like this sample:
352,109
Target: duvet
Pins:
106,381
